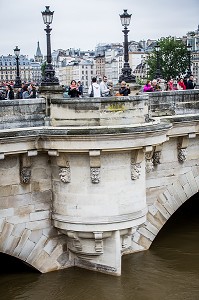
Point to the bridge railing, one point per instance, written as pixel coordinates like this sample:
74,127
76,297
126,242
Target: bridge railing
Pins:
168,103
106,111
109,111
21,113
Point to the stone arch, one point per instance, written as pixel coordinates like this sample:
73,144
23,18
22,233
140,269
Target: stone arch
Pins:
167,202
45,255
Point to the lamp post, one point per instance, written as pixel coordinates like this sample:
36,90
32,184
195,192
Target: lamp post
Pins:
17,79
126,70
158,72
189,48
49,73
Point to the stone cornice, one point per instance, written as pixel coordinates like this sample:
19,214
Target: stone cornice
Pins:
182,124
82,138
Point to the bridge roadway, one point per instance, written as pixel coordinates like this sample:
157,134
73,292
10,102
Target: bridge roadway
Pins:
85,181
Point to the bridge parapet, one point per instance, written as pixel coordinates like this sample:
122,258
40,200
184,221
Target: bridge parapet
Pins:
99,111
110,111
21,113
167,103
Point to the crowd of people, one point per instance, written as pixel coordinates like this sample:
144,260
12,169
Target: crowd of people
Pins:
98,88
183,83
27,90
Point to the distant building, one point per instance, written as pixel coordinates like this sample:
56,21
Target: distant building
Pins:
29,70
38,56
80,69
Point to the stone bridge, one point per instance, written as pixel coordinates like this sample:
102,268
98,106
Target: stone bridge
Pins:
83,182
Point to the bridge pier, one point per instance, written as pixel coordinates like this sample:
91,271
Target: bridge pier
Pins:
98,182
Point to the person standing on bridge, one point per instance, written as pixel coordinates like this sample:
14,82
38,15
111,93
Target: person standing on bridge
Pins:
9,92
105,91
94,89
73,90
124,90
80,87
170,85
181,85
190,83
148,87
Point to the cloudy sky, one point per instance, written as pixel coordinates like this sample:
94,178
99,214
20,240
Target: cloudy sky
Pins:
85,23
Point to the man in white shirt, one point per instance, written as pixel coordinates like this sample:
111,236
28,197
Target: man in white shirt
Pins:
105,91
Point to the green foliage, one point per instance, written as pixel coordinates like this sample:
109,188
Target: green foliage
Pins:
173,58
43,67
140,81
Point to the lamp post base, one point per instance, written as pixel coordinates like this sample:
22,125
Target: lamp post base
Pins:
49,77
126,74
127,78
17,82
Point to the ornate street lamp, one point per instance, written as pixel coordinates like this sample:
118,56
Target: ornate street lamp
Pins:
49,76
189,48
157,50
126,70
17,79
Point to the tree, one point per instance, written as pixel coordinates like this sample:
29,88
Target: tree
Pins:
173,58
43,67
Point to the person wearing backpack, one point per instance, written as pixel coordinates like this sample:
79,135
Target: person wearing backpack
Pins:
94,89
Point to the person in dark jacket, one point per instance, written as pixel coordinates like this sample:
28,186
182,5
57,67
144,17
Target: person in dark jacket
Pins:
32,91
190,83
73,90
124,90
19,93
80,87
9,92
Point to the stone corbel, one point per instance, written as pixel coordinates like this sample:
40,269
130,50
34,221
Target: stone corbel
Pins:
183,143
75,240
137,157
25,168
192,135
32,153
98,241
149,150
95,165
157,154
2,155
64,168
53,153
126,241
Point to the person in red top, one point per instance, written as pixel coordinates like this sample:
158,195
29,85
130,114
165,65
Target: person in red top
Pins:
170,86
181,85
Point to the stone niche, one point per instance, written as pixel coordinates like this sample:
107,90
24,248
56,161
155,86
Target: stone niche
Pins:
98,213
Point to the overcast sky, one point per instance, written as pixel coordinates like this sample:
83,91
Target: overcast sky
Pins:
84,24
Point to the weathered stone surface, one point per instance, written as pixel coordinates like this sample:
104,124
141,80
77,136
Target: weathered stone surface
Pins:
57,220
22,113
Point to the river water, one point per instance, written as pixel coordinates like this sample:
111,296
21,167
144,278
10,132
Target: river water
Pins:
168,270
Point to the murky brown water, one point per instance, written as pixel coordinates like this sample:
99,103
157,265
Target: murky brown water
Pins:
169,270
